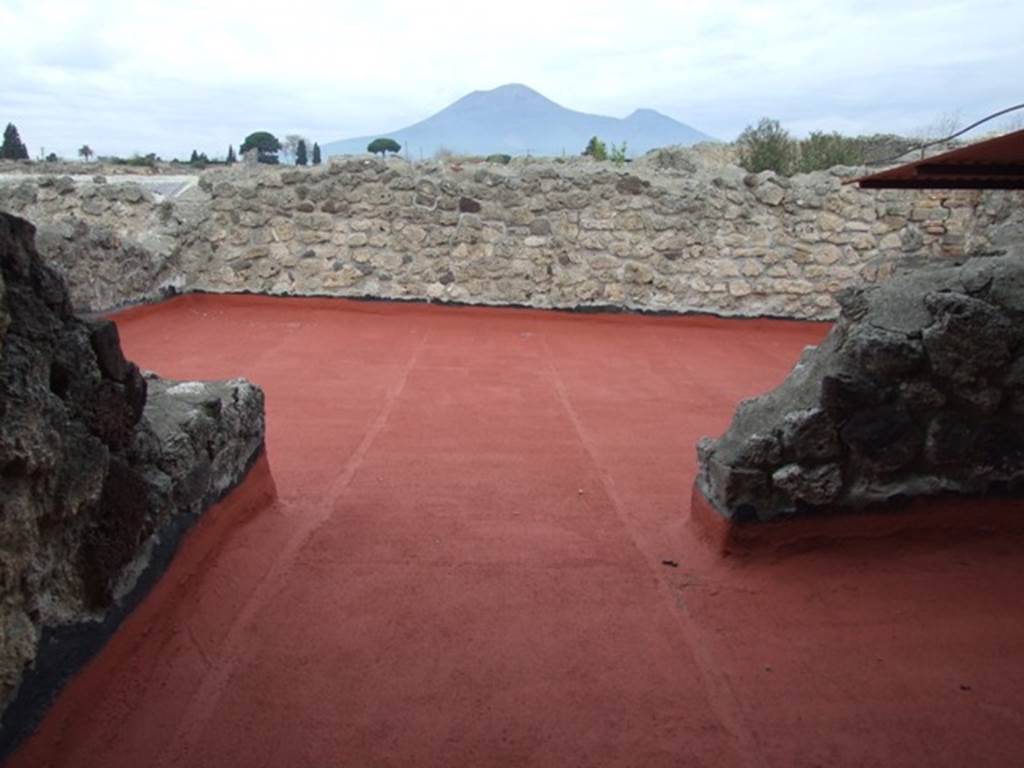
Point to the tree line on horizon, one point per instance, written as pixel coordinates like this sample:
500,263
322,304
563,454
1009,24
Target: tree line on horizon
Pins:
764,146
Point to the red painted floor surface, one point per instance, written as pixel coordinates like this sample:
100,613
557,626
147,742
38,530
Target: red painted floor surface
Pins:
452,556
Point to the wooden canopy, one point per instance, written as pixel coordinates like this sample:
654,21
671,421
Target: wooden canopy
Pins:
993,164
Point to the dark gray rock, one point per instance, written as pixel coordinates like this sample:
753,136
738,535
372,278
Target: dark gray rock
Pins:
899,304
810,435
948,439
743,489
967,337
844,394
813,485
761,451
921,396
978,394
468,205
106,343
882,354
1014,376
631,185
97,462
540,227
1007,286
918,389
886,436
996,452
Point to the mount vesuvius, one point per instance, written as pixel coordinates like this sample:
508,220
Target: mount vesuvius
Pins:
517,120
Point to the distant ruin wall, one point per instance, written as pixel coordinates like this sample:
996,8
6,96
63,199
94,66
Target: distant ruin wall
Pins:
544,234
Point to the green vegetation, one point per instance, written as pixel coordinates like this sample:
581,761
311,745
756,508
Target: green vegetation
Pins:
290,147
85,152
383,146
13,147
266,145
300,153
316,154
136,160
500,157
231,159
199,159
769,147
596,149
52,157
618,154
880,147
823,150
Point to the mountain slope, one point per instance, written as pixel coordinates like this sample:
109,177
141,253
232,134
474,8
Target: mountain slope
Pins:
518,120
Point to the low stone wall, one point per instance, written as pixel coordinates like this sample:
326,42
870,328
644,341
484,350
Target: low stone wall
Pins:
659,234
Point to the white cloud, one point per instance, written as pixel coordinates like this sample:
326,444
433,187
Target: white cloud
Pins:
170,77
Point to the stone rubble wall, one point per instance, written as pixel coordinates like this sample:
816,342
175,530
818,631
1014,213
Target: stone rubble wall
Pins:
101,469
680,236
918,390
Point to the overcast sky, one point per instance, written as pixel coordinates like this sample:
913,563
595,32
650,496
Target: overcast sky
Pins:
130,76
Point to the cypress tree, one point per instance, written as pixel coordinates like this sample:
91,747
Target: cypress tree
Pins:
231,155
300,153
316,154
13,147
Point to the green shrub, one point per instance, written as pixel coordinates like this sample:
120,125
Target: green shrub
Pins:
767,147
618,154
136,160
501,158
596,149
823,150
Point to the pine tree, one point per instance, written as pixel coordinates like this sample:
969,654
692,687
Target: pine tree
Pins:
195,157
300,153
383,146
316,154
13,148
231,155
265,143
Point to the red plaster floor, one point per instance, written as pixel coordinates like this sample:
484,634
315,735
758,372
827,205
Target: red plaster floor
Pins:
452,556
